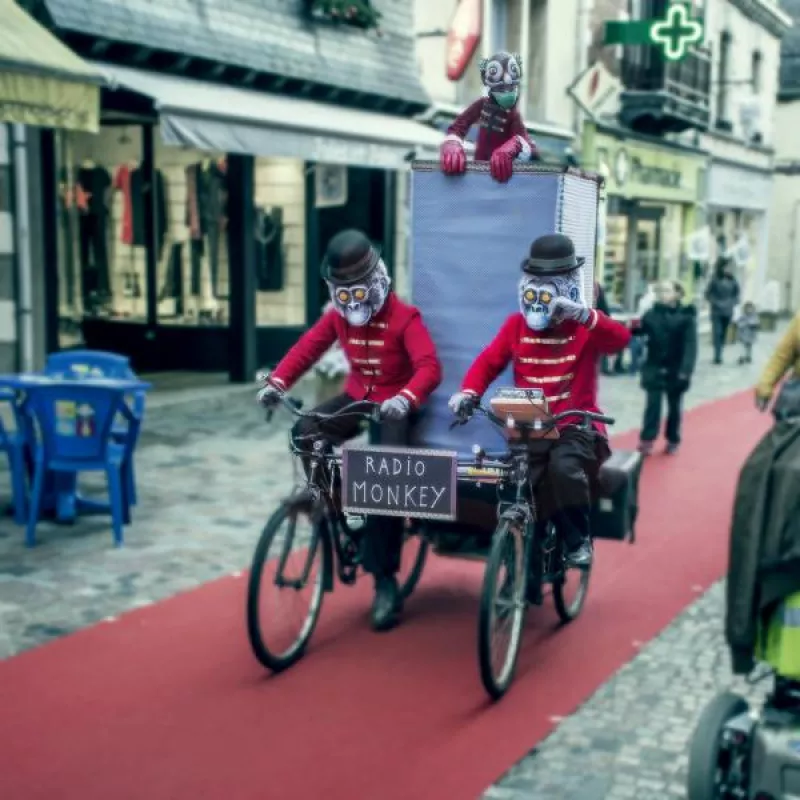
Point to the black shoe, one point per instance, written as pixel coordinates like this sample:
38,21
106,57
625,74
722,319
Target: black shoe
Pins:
581,556
387,604
672,448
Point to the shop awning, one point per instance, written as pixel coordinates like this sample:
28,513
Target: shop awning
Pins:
222,119
42,82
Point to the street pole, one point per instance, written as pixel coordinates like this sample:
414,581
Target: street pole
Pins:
23,243
524,49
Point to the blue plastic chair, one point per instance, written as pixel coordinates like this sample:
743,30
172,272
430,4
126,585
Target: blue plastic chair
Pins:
79,364
74,420
12,443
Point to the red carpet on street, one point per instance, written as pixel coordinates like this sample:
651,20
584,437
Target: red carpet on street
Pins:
168,703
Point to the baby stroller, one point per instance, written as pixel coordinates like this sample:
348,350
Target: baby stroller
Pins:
738,752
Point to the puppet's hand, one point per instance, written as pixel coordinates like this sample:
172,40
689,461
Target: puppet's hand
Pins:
395,408
564,308
762,403
501,165
452,158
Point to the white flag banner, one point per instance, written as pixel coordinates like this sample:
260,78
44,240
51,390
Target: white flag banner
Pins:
698,245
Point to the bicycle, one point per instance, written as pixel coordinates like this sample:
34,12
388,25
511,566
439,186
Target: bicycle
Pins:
536,551
332,542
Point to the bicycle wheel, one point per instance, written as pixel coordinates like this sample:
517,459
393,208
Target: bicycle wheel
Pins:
290,559
414,555
569,589
502,611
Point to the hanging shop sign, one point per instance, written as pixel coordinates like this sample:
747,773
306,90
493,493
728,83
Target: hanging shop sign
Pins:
463,37
595,90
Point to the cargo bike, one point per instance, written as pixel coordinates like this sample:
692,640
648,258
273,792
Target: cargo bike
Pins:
461,489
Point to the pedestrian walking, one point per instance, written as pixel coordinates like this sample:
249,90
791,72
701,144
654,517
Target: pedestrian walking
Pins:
746,329
670,330
722,295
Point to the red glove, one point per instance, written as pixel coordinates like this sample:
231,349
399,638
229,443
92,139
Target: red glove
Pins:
501,165
452,158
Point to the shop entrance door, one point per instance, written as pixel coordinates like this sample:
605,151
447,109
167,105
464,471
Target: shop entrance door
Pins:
366,210
645,253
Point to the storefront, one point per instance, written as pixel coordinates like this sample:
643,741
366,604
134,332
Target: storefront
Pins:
737,207
42,84
653,188
188,232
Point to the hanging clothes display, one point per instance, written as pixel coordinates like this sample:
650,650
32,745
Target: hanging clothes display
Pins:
269,249
133,185
173,279
206,198
91,198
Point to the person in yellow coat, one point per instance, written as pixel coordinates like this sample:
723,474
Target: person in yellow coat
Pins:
785,357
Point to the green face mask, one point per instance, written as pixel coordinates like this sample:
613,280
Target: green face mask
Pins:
505,99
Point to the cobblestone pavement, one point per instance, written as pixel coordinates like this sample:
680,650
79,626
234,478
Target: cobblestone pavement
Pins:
207,481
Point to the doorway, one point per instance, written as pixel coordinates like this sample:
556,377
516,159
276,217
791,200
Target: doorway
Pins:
370,208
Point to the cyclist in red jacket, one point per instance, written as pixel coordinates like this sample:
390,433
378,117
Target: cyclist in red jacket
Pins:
393,362
554,342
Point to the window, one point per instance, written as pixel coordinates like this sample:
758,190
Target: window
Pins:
499,25
723,78
755,71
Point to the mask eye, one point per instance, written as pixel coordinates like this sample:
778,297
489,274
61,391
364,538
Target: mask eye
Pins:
343,295
360,294
513,69
529,295
494,71
545,297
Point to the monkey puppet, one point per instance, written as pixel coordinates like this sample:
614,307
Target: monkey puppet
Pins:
502,136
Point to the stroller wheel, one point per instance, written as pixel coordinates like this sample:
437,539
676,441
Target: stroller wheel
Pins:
718,755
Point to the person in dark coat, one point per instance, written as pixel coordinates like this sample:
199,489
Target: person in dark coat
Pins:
671,331
723,297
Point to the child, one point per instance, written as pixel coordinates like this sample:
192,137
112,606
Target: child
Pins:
746,327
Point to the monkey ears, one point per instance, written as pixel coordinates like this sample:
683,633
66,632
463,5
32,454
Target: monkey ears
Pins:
482,64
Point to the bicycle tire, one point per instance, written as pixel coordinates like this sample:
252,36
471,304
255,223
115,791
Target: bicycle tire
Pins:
277,662
567,612
408,586
495,685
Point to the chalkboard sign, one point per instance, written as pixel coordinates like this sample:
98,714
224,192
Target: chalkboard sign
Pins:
399,482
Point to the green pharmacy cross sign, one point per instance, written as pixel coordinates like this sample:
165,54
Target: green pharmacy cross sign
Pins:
673,34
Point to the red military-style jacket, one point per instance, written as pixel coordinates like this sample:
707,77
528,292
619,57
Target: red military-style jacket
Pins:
561,360
392,354
497,126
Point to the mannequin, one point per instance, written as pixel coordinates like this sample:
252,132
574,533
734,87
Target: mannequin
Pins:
205,218
91,198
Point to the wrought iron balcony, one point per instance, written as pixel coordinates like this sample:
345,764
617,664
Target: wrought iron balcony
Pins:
665,96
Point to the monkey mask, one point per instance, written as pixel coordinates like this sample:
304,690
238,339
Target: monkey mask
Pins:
536,296
501,75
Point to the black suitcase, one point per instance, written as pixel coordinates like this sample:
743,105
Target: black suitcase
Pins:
617,497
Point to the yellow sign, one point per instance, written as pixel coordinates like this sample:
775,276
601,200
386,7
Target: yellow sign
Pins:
641,171
42,82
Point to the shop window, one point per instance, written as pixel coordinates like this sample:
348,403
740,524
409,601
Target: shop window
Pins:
192,238
102,262
499,25
723,81
280,258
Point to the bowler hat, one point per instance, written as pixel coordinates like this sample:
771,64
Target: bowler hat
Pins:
350,257
553,254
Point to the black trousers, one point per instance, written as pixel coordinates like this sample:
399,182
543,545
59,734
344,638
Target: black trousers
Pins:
719,332
563,471
94,256
383,536
208,243
652,415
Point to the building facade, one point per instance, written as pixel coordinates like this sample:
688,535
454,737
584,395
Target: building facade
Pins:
744,37
783,270
235,140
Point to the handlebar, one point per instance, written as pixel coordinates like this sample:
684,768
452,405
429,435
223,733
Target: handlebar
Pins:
354,409
540,426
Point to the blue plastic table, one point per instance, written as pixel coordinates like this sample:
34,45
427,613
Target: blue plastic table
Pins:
61,497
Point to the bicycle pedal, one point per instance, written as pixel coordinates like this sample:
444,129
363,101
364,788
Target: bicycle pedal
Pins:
355,521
